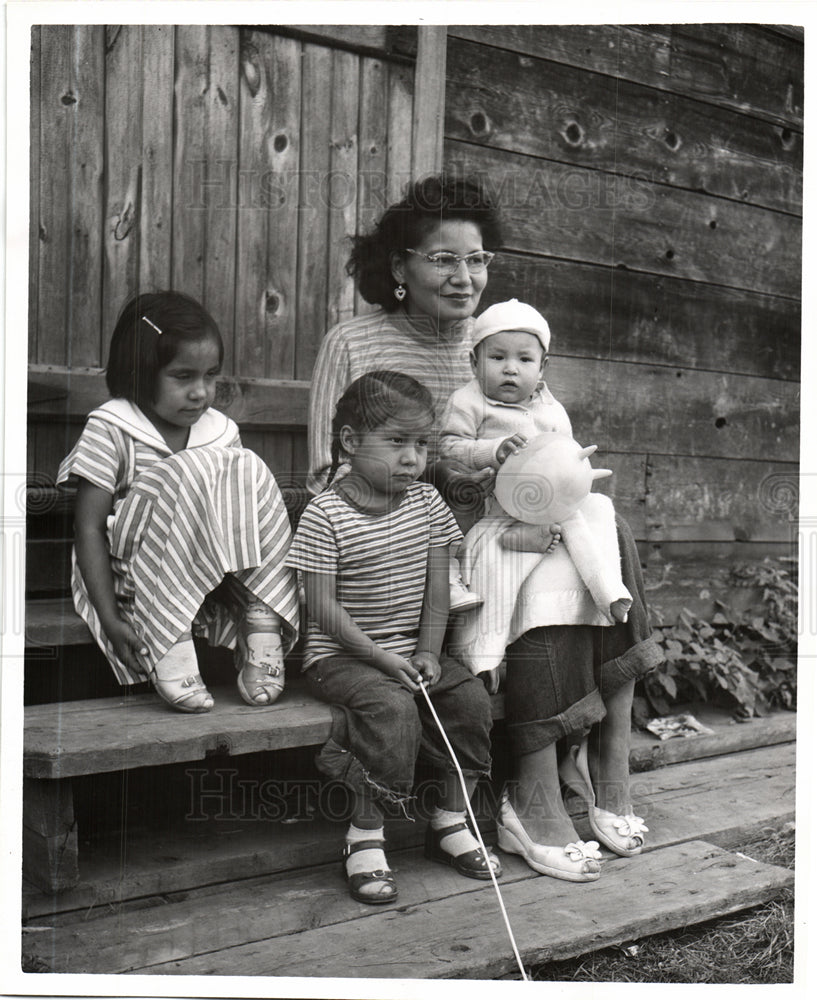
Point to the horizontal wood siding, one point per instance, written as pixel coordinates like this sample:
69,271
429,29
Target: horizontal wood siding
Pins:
650,178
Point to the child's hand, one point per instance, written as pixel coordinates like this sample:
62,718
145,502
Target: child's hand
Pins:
429,667
127,644
510,446
401,670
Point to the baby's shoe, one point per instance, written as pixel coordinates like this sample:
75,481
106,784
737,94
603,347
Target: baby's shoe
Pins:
461,598
177,680
259,655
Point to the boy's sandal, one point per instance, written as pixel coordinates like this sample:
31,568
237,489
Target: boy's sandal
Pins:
185,694
472,864
360,880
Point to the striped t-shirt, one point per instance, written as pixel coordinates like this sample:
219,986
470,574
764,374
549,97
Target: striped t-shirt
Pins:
382,340
379,561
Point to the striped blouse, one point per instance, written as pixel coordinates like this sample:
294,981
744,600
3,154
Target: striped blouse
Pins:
379,560
381,340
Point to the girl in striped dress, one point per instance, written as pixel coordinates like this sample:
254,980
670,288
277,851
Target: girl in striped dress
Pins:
177,527
372,549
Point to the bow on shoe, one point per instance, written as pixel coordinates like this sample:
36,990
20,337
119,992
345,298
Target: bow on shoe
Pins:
630,826
583,850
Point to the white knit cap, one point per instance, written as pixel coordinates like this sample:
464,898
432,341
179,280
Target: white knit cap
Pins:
512,316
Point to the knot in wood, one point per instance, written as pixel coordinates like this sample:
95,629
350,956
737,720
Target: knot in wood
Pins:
573,134
478,123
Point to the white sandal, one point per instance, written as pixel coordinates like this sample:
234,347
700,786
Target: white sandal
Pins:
260,660
184,689
612,830
575,862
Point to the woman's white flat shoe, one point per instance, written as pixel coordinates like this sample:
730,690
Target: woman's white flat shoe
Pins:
616,832
576,862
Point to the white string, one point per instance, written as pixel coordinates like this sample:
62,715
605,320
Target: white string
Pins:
478,834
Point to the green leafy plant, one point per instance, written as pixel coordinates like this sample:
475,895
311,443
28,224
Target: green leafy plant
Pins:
744,660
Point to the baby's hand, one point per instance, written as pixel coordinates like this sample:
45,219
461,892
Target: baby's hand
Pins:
429,667
510,446
127,645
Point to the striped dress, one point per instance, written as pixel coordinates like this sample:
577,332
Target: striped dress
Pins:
381,340
380,562
181,522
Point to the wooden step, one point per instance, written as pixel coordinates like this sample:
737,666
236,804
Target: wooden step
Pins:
442,926
724,800
65,739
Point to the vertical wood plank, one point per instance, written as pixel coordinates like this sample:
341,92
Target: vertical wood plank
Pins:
123,162
313,218
193,187
204,214
398,161
429,100
342,186
268,205
70,204
85,248
155,219
372,152
221,134
34,193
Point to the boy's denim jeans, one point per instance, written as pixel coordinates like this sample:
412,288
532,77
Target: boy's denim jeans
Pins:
380,727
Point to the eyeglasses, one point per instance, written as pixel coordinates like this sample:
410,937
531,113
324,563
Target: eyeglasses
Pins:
446,263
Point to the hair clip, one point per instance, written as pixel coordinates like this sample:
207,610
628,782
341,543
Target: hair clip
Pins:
151,323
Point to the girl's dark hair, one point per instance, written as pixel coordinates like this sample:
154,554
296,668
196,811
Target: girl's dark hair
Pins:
373,399
138,350
425,204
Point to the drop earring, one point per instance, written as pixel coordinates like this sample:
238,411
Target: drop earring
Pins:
400,293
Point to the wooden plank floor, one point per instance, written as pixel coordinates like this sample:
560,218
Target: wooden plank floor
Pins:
270,925
756,788
442,927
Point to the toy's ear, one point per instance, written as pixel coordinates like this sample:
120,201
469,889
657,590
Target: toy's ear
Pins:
349,439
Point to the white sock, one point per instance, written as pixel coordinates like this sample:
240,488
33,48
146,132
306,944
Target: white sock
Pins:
455,843
179,661
372,859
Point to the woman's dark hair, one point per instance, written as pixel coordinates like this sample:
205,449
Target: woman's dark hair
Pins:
148,334
425,204
373,399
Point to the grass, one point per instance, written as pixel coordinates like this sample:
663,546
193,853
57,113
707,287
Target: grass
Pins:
752,947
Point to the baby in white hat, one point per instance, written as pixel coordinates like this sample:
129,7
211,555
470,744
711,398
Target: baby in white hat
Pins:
505,405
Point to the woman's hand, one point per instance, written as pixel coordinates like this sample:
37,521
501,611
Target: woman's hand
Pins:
510,446
464,490
490,678
429,667
127,644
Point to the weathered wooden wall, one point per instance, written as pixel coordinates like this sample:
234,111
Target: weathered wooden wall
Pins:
230,163
651,179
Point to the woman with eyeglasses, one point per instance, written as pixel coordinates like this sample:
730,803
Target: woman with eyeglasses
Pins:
425,265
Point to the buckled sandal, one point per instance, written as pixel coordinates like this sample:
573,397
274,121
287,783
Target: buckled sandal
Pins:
185,694
472,864
358,882
259,654
614,831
